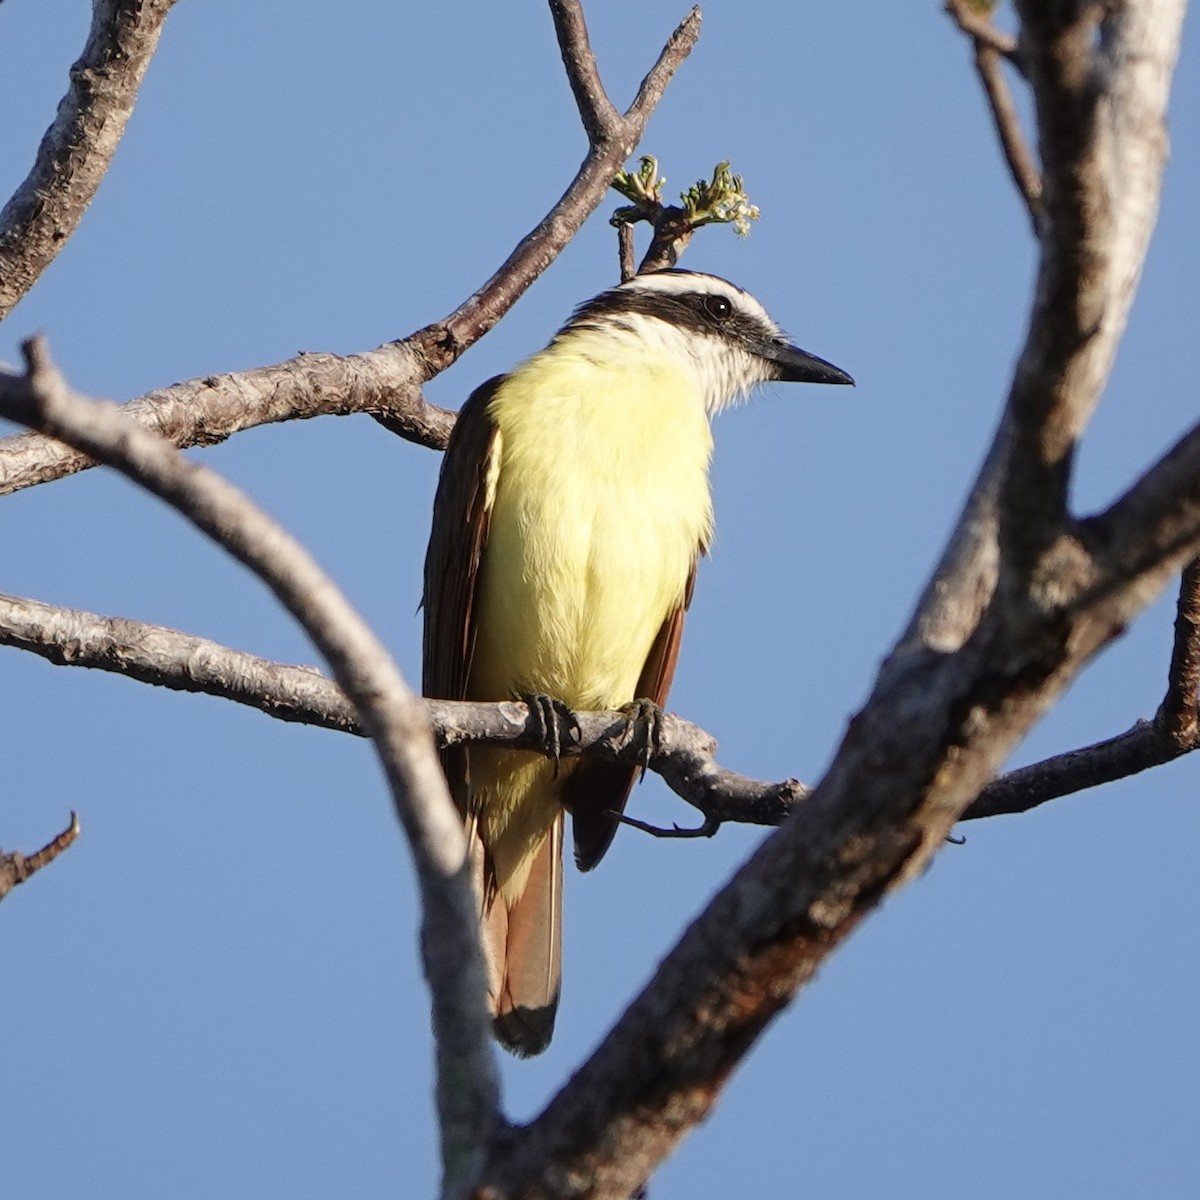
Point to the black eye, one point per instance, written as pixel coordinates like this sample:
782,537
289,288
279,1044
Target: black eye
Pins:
717,307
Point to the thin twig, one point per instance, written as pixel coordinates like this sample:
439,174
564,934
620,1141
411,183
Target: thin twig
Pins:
16,867
468,1089
1022,165
706,830
1025,788
1177,716
672,232
441,343
679,46
991,48
625,252
978,26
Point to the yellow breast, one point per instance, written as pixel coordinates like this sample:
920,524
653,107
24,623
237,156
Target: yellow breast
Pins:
601,500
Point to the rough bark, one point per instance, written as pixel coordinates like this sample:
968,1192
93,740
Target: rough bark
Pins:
76,150
386,382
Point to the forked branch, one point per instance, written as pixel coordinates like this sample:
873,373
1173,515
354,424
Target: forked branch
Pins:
685,755
387,382
468,1089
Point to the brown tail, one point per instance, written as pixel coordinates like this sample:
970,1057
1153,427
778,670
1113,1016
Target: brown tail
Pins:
524,951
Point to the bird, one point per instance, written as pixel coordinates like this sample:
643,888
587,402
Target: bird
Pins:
572,508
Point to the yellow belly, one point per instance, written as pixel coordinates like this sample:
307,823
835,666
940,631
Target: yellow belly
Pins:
600,502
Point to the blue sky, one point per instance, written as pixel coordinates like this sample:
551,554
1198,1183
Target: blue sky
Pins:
217,990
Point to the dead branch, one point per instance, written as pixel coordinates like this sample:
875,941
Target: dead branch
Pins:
207,411
1002,629
1025,595
685,755
468,1089
1105,162
978,26
387,382
1177,716
991,49
77,148
16,867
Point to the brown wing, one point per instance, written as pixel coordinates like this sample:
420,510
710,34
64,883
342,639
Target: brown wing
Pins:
456,546
596,790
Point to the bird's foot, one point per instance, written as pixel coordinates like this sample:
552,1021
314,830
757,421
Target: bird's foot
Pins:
707,830
643,730
557,725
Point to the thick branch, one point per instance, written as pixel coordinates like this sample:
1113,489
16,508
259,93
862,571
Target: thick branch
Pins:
468,1089
1101,78
385,382
77,148
1101,103
951,702
206,411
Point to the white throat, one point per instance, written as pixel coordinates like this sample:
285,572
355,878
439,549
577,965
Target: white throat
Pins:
721,371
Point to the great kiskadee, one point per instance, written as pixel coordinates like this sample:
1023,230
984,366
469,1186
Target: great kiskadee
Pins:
572,508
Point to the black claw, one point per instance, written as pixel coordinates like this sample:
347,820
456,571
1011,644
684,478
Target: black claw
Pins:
557,725
643,729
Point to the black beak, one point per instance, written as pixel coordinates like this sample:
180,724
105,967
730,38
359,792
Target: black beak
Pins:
798,366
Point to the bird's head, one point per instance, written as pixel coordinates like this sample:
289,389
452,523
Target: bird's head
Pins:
711,327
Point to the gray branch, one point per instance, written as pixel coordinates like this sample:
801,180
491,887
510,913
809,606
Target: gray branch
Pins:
1025,595
991,50
77,148
1022,600
386,382
684,754
468,1087
17,868
203,412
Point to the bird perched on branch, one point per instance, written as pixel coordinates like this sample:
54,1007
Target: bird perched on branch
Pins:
572,508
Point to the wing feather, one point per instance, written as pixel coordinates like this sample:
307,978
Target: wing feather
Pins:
595,790
457,543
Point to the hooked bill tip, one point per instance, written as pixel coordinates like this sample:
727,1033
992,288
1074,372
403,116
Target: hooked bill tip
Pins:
798,366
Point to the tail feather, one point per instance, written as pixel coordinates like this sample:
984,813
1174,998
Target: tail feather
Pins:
524,952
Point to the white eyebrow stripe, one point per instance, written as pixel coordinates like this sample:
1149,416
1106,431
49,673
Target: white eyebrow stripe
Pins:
689,282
